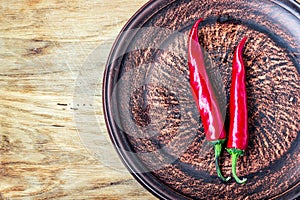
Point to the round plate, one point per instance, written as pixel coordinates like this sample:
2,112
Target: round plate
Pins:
152,118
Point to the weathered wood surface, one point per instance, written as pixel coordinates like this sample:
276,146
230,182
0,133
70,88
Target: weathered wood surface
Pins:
45,132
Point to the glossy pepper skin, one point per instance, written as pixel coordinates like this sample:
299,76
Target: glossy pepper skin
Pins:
238,129
204,96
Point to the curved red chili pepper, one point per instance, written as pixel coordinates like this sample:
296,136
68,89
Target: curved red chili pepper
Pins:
204,96
238,130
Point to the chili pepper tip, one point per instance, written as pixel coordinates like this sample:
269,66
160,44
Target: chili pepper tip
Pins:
241,45
235,153
198,22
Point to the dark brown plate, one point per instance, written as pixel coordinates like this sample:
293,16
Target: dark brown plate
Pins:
152,118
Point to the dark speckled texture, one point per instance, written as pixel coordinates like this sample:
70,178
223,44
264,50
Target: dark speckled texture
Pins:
158,117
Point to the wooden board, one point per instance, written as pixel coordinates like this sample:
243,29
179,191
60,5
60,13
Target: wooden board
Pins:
49,50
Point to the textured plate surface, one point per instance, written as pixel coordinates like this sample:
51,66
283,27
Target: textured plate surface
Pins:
154,123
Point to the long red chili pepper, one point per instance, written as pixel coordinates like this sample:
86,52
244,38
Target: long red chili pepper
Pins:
238,129
204,96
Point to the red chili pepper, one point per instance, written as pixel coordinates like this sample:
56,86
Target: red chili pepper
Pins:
204,97
238,130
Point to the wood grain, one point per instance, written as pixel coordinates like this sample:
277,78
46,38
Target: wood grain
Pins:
45,46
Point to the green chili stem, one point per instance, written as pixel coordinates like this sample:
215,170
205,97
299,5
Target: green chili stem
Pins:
235,153
218,146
